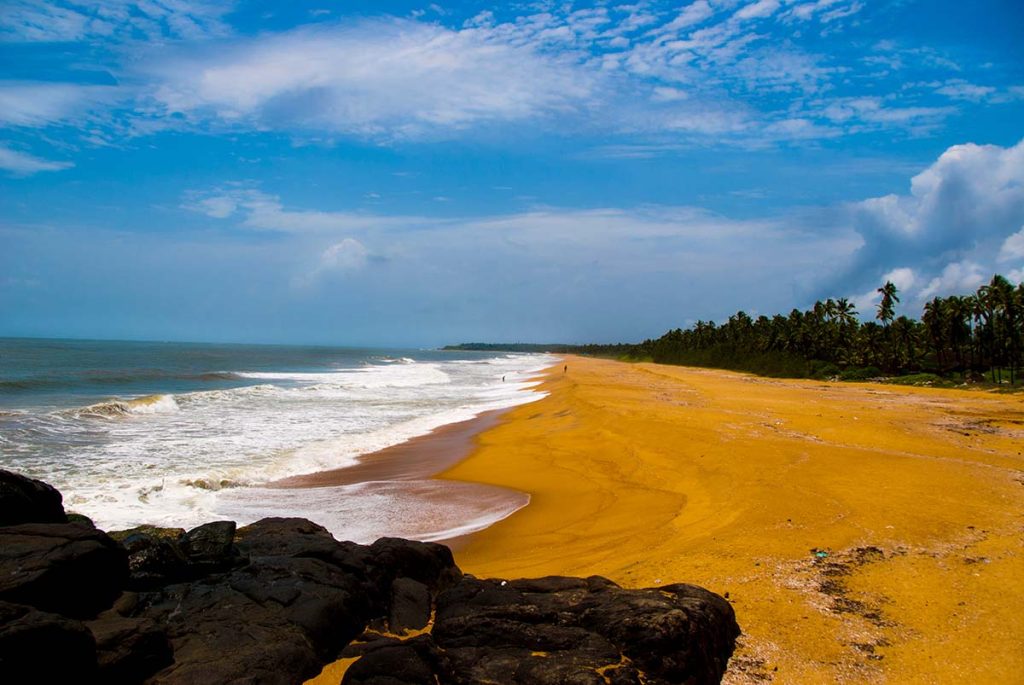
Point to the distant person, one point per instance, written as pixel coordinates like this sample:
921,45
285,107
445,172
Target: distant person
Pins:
502,379
566,369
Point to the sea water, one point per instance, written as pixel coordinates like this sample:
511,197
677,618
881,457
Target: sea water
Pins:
180,434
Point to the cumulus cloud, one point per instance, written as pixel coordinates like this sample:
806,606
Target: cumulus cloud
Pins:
958,277
961,219
23,164
1013,247
344,257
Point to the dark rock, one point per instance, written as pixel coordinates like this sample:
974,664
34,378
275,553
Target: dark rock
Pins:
41,647
410,605
128,650
295,537
67,568
73,517
368,642
275,601
126,604
411,662
155,557
285,537
211,545
565,631
426,562
275,619
26,500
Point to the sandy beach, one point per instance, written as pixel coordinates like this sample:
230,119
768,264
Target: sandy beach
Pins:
863,532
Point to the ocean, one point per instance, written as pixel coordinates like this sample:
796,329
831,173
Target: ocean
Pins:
178,434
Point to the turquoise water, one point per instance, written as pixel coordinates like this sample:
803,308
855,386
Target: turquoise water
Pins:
173,433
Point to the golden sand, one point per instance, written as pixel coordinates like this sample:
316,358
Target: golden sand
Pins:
913,499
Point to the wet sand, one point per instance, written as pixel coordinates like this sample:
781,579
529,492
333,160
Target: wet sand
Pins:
409,467
421,457
864,533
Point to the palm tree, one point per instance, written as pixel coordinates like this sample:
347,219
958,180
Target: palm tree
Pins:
887,306
886,311
846,317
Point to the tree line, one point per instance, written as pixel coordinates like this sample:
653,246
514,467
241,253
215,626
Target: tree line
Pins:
966,335
972,336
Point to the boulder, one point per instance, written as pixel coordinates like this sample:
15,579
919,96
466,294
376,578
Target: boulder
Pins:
26,500
425,562
41,647
211,546
562,631
155,557
270,619
67,568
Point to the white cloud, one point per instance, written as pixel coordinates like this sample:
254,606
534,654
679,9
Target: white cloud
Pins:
757,10
347,255
48,21
380,79
217,206
870,112
1013,247
722,72
958,89
694,13
261,211
962,216
956,279
35,104
903,278
682,249
23,164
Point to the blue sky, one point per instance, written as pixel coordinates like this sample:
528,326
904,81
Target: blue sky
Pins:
417,174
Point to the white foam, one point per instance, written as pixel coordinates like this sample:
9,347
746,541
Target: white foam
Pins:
403,373
145,470
150,404
427,510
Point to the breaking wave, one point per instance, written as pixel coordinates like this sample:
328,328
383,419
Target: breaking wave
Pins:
150,404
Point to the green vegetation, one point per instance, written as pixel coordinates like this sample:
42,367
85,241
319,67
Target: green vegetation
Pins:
974,337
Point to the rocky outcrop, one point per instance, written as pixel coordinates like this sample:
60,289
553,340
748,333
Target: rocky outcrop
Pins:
274,601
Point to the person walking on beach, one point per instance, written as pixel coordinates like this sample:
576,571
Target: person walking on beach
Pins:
566,369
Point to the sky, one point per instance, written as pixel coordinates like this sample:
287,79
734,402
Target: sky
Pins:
416,174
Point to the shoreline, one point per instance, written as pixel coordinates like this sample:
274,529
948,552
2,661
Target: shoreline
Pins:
415,464
417,458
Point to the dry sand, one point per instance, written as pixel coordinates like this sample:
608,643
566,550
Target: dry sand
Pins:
653,474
